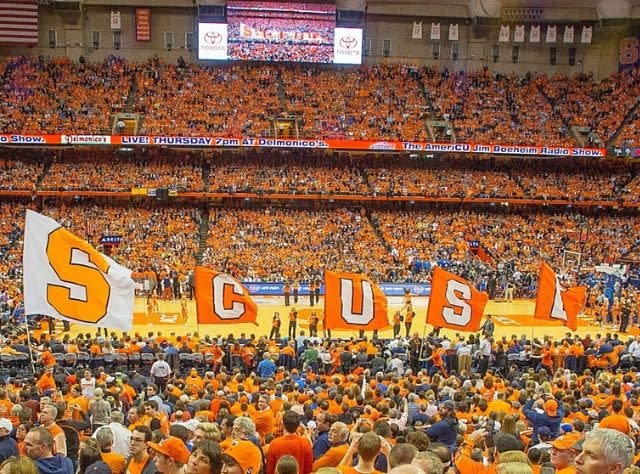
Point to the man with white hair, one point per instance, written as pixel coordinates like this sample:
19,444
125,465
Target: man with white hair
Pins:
121,435
48,418
338,437
604,451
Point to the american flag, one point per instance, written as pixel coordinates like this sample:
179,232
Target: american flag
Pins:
18,23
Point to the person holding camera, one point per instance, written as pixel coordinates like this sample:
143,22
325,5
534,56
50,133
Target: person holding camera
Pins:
551,415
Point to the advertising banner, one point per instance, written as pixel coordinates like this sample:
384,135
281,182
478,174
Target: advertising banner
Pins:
212,41
337,144
389,289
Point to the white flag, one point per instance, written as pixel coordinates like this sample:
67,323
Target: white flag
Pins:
518,34
551,34
587,33
435,31
504,34
115,21
66,278
453,32
534,34
417,30
568,34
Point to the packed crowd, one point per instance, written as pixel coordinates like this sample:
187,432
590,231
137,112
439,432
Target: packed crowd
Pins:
193,100
513,244
310,172
295,172
272,244
59,96
154,239
600,105
440,404
382,101
106,170
358,103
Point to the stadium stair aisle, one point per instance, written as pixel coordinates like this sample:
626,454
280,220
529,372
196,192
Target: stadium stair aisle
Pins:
428,104
376,230
555,111
206,172
282,93
45,170
624,123
130,103
203,233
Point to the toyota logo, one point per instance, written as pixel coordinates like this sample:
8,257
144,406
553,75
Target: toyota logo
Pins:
348,42
212,37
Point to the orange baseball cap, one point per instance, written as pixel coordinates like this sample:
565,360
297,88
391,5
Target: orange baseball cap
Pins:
174,448
551,407
563,442
246,454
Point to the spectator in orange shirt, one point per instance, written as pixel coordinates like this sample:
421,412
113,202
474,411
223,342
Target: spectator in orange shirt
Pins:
291,443
367,446
339,439
264,417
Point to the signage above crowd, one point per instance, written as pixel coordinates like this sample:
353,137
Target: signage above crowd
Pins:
329,144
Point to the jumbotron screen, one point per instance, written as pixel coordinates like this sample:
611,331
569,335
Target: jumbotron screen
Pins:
277,31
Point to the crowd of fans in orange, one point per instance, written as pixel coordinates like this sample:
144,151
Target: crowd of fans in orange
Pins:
383,101
58,96
310,172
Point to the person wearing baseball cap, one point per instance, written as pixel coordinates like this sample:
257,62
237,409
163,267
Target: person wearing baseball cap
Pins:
241,457
562,454
445,431
8,446
171,455
541,413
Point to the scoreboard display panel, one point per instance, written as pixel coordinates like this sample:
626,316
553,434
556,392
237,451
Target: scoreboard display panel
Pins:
279,31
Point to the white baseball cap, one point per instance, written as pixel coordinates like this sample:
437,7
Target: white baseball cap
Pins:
6,424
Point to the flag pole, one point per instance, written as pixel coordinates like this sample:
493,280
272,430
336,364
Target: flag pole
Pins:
26,325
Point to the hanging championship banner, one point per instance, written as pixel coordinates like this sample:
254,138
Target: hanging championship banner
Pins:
143,24
534,34
568,34
504,34
435,31
518,34
417,30
116,23
453,32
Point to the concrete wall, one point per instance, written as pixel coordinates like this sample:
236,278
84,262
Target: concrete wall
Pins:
599,57
74,38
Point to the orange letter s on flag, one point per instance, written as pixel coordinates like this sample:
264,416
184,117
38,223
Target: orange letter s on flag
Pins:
64,251
454,303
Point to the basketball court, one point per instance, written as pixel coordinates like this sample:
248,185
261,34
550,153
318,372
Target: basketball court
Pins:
514,317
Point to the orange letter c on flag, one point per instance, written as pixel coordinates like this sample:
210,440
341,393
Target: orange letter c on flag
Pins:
227,297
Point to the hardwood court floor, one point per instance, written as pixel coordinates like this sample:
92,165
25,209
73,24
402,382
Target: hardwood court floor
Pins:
515,317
